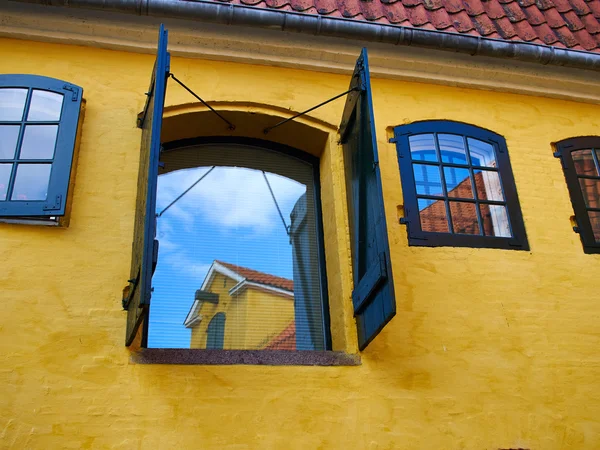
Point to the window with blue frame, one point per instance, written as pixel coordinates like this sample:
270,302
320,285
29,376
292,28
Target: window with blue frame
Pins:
39,120
458,187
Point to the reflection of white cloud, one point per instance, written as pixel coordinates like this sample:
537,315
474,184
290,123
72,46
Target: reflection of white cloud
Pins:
230,197
184,265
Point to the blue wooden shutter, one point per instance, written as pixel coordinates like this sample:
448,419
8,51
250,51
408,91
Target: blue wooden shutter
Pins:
373,294
145,246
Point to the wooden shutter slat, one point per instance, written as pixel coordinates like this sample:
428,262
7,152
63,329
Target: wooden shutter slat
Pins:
145,246
369,283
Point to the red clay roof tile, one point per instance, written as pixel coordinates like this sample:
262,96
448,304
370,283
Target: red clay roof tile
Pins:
591,24
462,22
514,12
484,25
286,340
534,15
571,23
494,9
474,7
454,6
439,19
545,33
553,18
580,7
260,277
562,5
585,39
595,8
524,31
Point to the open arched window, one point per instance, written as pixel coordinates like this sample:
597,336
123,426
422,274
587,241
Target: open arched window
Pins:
239,232
458,187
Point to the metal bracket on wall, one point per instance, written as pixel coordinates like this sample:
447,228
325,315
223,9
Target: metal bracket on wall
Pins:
266,130
231,126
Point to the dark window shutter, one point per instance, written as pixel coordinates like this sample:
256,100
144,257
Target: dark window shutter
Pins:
373,294
216,332
145,246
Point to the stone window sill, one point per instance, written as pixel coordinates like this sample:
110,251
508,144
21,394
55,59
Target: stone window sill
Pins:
245,357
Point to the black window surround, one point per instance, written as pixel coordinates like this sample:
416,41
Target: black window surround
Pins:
438,151
39,125
580,158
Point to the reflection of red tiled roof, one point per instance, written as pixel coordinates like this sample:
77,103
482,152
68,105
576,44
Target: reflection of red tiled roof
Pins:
572,24
286,340
260,277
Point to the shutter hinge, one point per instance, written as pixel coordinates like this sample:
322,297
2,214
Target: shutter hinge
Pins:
404,221
54,206
577,230
393,140
74,91
558,154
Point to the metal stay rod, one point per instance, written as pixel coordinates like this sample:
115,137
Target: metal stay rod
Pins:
287,230
186,191
266,130
231,126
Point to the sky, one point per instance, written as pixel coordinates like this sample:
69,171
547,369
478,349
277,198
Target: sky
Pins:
229,215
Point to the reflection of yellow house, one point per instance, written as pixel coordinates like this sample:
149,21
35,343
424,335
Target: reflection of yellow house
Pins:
241,308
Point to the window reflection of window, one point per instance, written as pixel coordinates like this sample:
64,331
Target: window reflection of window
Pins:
453,171
242,242
581,163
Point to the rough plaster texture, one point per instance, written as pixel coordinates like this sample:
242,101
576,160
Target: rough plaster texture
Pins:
489,348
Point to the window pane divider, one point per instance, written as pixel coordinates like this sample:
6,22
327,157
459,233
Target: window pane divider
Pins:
13,173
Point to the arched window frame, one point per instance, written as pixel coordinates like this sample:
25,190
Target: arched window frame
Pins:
564,151
419,237
215,333
54,209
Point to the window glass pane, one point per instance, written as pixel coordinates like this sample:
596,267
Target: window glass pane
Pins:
31,182
487,185
38,142
495,220
458,182
452,148
432,214
5,170
595,221
584,162
482,153
590,189
226,257
12,104
422,148
9,135
428,180
464,218
45,106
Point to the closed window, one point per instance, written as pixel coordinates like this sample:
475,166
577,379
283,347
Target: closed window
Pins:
581,165
39,120
458,187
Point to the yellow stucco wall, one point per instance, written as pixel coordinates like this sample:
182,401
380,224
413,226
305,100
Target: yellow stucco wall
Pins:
489,348
252,318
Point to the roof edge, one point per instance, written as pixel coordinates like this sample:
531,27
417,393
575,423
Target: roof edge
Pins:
243,15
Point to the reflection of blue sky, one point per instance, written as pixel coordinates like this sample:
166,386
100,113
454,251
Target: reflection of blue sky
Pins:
229,216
